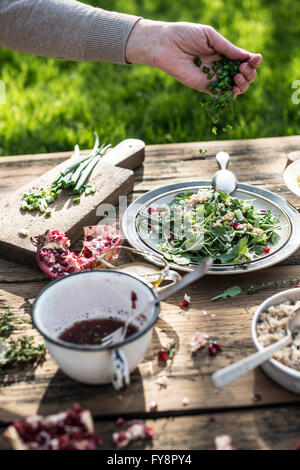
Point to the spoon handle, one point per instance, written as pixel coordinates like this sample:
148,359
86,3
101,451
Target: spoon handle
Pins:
223,159
227,375
197,273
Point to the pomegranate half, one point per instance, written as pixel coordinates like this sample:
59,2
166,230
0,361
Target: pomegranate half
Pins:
55,258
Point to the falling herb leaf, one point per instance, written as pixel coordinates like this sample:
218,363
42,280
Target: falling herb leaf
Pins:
230,292
219,107
202,151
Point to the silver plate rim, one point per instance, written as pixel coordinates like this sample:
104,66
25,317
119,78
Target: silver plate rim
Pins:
289,247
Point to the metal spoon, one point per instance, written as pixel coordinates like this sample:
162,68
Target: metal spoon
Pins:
200,271
224,180
227,375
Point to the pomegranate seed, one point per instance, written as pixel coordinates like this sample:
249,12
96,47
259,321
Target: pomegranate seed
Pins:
149,210
171,237
163,355
133,295
255,398
212,419
133,299
264,212
153,406
266,249
234,226
120,421
184,304
77,407
214,348
149,432
185,401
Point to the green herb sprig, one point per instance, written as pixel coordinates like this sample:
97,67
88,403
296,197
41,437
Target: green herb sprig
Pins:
74,176
254,288
219,108
8,325
18,350
22,351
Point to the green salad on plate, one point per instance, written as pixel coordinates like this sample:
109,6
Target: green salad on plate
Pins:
195,225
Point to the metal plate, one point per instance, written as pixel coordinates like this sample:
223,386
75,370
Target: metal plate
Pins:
288,242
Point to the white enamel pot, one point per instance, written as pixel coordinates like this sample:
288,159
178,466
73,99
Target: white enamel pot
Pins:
89,295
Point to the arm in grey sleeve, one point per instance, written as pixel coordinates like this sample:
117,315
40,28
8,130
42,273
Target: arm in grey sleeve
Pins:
65,29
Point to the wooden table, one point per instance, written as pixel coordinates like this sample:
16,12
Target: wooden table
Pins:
271,423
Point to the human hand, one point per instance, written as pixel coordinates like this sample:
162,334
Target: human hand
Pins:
172,47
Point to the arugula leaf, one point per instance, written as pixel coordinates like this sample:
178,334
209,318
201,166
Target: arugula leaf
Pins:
236,253
230,292
182,260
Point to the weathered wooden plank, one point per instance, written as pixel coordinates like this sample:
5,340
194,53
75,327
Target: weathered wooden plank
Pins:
257,429
43,390
111,182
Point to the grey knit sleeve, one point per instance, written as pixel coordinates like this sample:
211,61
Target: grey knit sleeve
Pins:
65,29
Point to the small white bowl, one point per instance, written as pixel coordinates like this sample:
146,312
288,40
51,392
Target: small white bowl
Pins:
283,375
290,176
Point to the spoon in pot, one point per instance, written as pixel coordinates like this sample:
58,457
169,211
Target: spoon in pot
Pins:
227,375
224,180
200,271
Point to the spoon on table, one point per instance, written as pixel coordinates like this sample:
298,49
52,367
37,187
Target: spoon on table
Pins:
200,271
227,375
224,180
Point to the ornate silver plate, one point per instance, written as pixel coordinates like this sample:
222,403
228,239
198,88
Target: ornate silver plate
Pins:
288,242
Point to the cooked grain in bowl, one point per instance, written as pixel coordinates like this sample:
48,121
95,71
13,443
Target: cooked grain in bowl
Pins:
271,327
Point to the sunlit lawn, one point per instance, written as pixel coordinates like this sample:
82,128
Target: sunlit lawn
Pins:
52,104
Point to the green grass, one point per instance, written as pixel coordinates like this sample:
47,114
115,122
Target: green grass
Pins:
53,104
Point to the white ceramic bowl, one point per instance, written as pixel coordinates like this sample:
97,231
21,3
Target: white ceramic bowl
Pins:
88,295
290,176
283,375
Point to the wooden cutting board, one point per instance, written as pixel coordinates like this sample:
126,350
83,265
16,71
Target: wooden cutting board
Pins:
112,177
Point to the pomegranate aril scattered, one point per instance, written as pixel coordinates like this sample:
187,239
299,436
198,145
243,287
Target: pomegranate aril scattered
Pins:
153,406
266,249
214,348
213,419
120,421
162,355
255,398
184,304
133,299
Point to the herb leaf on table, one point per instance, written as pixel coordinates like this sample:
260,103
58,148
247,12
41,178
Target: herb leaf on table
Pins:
230,292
